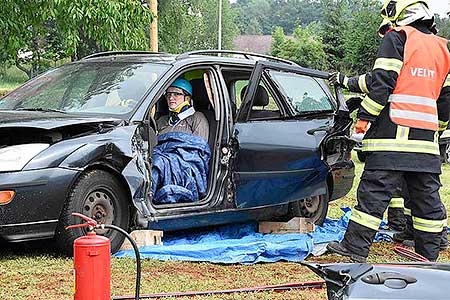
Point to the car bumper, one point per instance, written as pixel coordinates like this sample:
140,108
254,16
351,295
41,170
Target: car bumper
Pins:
39,198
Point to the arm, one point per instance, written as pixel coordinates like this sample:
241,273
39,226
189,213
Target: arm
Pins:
360,84
385,72
443,105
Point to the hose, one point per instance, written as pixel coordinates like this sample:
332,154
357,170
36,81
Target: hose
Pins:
410,254
136,252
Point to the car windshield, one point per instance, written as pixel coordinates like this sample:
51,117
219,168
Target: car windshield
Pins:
88,87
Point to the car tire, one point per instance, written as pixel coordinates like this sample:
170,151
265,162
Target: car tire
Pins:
100,196
314,208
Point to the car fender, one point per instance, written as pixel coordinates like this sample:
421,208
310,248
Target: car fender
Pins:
124,151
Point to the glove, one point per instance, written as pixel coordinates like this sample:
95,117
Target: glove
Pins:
361,126
339,79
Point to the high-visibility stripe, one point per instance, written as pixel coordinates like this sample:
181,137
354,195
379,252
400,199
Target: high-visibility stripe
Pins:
406,211
413,111
388,64
401,146
425,225
399,98
447,81
443,125
396,203
346,81
402,133
365,219
371,106
362,84
413,115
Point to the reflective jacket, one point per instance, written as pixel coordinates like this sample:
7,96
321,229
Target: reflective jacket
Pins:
406,52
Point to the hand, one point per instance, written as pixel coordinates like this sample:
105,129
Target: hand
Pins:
361,126
337,78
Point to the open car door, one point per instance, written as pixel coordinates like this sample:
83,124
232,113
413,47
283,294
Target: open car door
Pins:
279,157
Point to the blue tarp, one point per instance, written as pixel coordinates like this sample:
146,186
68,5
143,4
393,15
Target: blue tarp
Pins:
241,243
179,168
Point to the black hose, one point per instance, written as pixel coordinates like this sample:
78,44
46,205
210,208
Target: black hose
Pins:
136,252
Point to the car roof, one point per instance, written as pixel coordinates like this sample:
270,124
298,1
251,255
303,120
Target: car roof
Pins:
239,57
230,57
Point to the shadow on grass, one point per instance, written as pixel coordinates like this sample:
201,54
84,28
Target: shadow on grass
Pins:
29,249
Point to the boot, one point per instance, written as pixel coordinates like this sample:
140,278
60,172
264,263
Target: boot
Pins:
407,239
396,219
338,248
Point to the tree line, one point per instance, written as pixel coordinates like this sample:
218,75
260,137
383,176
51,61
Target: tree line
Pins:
323,34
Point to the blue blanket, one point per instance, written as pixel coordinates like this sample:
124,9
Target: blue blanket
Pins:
180,168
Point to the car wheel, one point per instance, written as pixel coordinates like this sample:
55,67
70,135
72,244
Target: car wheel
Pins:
100,196
314,208
361,156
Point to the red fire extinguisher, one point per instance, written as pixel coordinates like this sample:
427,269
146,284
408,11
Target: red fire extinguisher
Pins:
92,263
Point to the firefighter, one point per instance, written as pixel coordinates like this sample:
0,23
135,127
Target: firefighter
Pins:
407,104
399,211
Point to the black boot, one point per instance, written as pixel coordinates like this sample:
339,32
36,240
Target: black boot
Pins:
396,219
339,248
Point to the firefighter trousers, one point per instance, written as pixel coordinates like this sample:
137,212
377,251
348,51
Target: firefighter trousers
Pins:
375,191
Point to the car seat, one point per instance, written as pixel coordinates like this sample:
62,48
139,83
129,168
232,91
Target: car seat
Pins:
261,100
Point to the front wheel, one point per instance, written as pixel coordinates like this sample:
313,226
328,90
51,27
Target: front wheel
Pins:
314,208
100,196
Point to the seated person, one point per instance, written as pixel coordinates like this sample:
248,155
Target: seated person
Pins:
182,115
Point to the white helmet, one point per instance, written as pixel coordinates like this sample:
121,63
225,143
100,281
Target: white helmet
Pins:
415,12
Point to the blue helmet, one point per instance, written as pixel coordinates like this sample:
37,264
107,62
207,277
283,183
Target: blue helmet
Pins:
183,84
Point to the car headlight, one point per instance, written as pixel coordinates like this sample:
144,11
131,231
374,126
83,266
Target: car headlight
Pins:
14,158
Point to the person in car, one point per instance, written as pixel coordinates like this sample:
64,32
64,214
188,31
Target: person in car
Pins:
182,115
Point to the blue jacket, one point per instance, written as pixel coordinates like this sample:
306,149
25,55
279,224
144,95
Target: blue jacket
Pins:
180,168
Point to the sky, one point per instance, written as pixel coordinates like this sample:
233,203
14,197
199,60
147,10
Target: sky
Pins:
440,6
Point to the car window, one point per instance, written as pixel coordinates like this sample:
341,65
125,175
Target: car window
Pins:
105,88
258,111
304,94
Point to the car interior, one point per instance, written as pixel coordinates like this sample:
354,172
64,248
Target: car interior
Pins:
204,102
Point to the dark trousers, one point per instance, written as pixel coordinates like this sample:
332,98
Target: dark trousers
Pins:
376,189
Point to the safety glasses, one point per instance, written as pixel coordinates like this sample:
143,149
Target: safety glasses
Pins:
390,10
174,94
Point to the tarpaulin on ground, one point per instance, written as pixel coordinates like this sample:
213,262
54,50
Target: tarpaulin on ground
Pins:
241,243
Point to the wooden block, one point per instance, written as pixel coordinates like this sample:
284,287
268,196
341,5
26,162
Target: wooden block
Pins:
295,225
143,238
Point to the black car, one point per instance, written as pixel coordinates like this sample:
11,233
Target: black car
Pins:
79,138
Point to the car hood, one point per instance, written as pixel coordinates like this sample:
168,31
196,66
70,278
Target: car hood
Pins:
47,120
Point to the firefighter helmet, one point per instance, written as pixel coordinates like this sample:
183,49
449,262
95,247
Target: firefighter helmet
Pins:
404,12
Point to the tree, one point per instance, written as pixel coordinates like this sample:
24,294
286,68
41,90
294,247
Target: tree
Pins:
334,26
360,37
305,47
37,32
186,25
443,26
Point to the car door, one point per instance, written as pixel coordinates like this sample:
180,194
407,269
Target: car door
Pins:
279,159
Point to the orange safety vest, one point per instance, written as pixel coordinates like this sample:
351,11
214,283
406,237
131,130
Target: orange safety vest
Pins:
425,67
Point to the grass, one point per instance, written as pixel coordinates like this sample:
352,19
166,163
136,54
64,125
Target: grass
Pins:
10,78
34,271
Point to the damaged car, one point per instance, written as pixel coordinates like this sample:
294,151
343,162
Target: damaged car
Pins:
80,138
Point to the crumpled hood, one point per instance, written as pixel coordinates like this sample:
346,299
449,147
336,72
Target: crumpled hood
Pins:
47,120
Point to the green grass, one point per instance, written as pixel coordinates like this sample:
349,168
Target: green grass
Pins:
28,272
